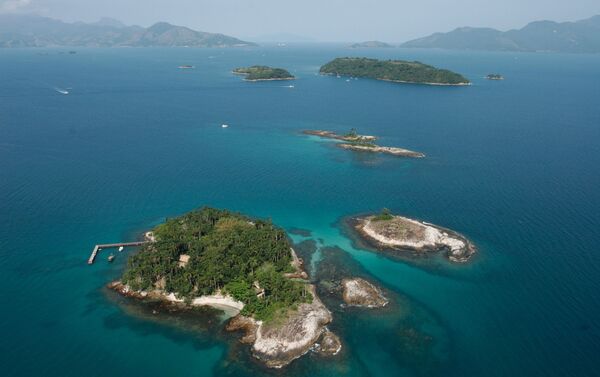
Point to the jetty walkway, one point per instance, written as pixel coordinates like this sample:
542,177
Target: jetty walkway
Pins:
97,248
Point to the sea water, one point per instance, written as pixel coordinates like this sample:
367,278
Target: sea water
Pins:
511,164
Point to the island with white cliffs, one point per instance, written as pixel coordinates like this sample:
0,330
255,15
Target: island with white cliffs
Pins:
395,233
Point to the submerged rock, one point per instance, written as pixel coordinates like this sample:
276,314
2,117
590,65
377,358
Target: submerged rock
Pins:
329,344
359,292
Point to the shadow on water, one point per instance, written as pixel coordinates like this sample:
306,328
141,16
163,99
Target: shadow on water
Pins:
199,327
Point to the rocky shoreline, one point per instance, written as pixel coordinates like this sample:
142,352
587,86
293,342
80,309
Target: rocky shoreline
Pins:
275,344
333,135
427,83
277,79
399,233
400,152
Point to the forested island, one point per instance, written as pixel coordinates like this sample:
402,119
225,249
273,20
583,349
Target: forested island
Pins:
371,44
388,232
363,143
263,73
393,70
227,260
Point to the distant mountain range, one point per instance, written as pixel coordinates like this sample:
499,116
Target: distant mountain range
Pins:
579,36
35,31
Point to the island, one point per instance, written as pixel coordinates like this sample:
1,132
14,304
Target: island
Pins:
363,143
386,231
494,76
371,44
359,292
238,264
399,71
263,73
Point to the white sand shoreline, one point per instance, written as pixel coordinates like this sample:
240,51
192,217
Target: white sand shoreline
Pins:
219,301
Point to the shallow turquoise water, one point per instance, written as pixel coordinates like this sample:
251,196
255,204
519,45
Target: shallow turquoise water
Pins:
511,164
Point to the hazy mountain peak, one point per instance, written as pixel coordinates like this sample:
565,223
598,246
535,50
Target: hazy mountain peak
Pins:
110,22
544,35
36,31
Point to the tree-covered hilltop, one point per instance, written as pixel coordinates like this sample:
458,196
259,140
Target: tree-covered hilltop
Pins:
262,72
393,70
210,250
371,44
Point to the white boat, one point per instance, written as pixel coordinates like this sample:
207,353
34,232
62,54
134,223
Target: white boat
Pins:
120,248
224,125
62,91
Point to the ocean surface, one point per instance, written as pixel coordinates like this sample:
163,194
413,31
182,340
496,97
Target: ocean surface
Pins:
514,165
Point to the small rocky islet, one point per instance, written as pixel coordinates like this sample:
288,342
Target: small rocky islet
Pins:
494,76
362,143
362,293
394,233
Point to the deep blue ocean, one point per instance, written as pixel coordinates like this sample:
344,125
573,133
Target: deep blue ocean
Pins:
514,165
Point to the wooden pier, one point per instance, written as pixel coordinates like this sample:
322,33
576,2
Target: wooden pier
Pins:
97,248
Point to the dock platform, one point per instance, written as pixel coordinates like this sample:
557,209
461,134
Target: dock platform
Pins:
97,248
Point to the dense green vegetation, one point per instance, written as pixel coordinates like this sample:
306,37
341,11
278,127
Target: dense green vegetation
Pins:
227,252
392,70
353,137
262,72
384,215
371,44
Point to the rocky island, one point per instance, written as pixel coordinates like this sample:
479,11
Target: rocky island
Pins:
397,233
243,266
494,76
363,143
359,292
393,70
263,73
371,44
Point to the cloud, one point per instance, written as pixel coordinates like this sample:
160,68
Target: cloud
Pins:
7,6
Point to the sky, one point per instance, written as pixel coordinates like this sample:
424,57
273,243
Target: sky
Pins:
321,20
